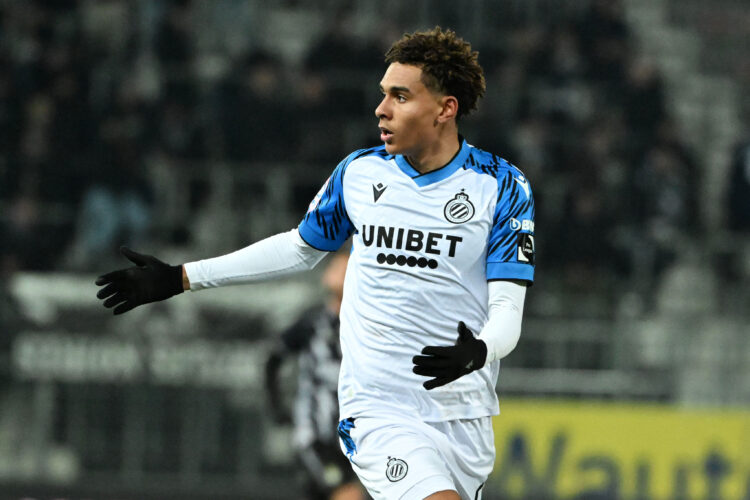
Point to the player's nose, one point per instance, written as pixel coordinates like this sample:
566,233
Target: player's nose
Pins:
381,110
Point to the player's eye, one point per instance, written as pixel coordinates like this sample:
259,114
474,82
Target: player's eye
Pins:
401,98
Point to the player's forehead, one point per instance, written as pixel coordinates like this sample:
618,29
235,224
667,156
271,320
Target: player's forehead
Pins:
400,76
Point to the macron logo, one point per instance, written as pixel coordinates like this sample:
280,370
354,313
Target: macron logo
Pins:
377,191
521,180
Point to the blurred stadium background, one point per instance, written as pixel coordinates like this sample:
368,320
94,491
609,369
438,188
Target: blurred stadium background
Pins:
191,128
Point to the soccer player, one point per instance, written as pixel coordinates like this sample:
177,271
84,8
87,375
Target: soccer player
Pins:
442,253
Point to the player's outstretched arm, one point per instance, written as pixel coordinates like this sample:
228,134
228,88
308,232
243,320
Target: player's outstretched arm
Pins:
446,364
149,280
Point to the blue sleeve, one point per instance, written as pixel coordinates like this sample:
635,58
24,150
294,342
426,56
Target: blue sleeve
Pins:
511,251
326,225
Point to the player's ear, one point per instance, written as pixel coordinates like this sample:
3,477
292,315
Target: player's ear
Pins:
449,108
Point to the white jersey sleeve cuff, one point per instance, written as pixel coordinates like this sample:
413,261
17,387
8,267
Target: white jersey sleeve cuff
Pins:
503,328
276,256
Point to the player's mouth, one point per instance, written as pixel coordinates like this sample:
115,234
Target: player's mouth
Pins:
385,134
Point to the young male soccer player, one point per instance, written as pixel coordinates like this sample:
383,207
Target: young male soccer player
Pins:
443,249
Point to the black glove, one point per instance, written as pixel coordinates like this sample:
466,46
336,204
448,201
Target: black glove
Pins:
149,280
447,364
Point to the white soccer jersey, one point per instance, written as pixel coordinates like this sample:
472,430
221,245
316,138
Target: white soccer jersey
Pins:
424,247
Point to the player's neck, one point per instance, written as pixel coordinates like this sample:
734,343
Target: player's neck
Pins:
437,155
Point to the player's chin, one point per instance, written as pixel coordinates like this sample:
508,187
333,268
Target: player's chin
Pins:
390,147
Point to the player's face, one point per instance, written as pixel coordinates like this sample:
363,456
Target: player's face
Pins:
408,112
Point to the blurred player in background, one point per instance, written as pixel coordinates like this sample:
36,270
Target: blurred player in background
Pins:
314,340
443,251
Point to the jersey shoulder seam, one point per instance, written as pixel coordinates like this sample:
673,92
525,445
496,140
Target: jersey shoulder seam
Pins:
484,162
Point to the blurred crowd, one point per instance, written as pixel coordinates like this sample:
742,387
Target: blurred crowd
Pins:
93,93
584,115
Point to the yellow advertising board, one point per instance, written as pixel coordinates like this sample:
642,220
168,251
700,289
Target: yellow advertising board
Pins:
629,451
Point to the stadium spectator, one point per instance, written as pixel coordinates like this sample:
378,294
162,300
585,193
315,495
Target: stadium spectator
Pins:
341,49
643,103
22,225
605,40
117,202
174,39
11,113
738,195
662,208
332,82
732,261
257,119
180,132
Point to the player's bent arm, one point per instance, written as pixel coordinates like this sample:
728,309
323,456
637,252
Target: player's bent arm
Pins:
503,328
496,340
276,256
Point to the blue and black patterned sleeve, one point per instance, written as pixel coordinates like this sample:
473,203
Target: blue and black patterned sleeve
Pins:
326,225
511,251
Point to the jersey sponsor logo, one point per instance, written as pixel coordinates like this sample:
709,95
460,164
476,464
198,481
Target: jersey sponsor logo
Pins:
522,225
521,180
377,191
396,469
411,240
526,248
403,260
459,209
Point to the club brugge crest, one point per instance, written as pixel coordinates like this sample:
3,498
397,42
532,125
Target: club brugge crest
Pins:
396,469
459,209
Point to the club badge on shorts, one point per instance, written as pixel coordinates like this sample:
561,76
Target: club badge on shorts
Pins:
396,469
459,209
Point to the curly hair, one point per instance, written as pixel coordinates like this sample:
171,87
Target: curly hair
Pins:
448,64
